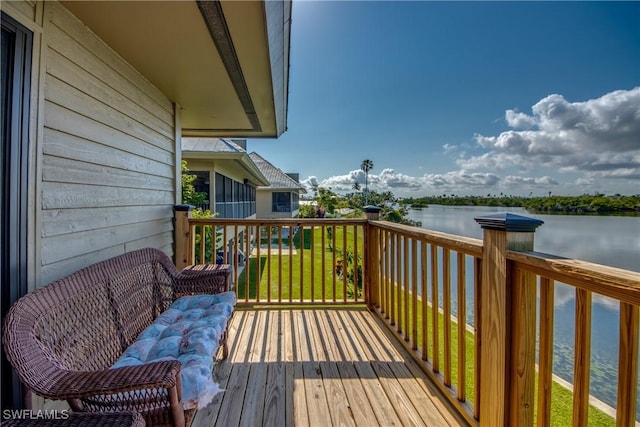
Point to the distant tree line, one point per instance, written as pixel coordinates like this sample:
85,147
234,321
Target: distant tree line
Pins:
584,204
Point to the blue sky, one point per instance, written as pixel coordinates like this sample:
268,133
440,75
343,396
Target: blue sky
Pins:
464,97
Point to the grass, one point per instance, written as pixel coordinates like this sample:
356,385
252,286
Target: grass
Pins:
312,278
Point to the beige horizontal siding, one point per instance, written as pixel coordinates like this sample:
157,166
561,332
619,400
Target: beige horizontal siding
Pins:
27,9
108,152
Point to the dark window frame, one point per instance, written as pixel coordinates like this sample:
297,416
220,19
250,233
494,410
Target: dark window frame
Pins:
17,41
281,201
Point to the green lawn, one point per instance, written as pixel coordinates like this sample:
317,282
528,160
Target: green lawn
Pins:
300,276
304,280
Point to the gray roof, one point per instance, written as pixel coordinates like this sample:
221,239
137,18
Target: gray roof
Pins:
225,150
278,179
209,145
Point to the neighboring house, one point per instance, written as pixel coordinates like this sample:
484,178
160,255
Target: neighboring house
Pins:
281,198
96,98
226,173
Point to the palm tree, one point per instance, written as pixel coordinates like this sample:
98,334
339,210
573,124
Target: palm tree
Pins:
366,166
356,186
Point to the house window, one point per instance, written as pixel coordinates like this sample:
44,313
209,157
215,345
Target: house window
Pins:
280,202
234,199
16,51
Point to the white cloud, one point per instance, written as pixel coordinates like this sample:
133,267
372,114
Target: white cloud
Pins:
528,182
309,183
460,180
448,148
599,137
591,140
519,120
390,179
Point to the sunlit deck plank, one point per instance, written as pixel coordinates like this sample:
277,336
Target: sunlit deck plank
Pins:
317,366
374,391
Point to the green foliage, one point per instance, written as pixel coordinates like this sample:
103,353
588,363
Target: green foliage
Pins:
354,278
307,211
189,194
208,236
329,200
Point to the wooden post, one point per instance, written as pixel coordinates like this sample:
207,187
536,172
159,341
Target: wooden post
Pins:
507,320
182,236
371,257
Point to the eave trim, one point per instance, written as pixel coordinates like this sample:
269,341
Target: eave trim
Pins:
217,25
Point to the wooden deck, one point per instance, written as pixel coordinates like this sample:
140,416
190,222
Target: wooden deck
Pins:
320,367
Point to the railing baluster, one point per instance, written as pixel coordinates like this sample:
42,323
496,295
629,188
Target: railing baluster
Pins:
236,255
357,279
545,363
214,253
312,263
398,283
523,347
388,272
258,262
291,246
414,294
268,229
247,263
462,327
203,238
392,280
333,259
582,358
446,306
280,263
405,283
477,313
323,230
425,301
627,365
301,266
344,263
435,309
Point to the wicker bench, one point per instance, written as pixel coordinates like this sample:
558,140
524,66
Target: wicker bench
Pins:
63,339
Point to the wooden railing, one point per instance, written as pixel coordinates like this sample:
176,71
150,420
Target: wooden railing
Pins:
284,261
469,311
414,268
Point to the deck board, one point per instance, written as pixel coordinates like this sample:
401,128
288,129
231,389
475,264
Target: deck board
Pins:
320,367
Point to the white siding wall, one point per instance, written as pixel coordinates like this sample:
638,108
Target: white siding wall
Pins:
107,152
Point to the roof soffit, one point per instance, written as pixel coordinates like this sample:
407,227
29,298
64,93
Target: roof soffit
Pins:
211,58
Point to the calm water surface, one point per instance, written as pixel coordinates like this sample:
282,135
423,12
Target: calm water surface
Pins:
607,240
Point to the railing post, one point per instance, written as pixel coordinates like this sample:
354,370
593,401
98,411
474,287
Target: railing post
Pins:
182,235
372,257
507,320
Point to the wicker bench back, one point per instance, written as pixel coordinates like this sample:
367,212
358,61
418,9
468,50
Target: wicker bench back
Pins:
83,322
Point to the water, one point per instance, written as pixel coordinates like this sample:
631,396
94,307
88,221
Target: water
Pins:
607,240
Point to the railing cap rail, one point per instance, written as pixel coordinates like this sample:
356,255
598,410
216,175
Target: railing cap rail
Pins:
509,222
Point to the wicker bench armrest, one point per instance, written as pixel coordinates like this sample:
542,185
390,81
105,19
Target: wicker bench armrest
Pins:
203,279
76,385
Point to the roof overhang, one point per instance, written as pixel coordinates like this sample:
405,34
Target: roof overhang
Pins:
242,160
283,190
225,63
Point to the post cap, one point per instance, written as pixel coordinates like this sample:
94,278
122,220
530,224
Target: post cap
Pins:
372,209
183,208
509,222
